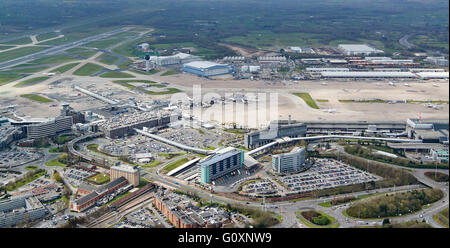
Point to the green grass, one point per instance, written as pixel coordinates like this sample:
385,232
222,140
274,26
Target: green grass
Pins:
26,180
64,68
235,131
19,52
103,44
308,99
22,41
328,203
116,74
363,101
437,101
5,47
31,81
168,91
46,36
55,162
170,72
5,79
26,70
151,72
56,150
321,100
333,222
36,98
108,59
88,69
152,164
99,178
170,155
175,164
54,59
31,167
442,218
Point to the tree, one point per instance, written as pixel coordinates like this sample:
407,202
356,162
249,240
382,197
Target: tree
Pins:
386,221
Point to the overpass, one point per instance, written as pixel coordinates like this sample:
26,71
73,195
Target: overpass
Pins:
288,140
72,150
176,144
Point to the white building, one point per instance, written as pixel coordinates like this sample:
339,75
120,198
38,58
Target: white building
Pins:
289,162
357,49
442,61
179,58
207,68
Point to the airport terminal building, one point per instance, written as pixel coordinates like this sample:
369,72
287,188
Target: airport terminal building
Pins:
223,162
276,129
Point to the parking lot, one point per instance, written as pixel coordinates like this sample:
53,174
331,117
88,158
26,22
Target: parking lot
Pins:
259,187
141,218
17,156
75,176
135,145
192,137
327,173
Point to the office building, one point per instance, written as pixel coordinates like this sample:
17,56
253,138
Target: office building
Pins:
131,173
22,209
291,162
207,68
221,163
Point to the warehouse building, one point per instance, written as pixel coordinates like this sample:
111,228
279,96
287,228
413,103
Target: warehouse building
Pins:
180,58
207,68
131,173
90,199
276,129
357,49
21,209
291,162
429,131
221,163
367,74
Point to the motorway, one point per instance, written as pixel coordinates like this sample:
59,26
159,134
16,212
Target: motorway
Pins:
404,41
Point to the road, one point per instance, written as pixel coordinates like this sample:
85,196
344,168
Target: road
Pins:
404,41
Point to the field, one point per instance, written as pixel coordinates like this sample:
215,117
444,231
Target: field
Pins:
30,178
308,100
4,78
55,162
442,217
36,98
31,167
438,177
19,52
116,74
31,81
170,72
25,70
175,164
317,219
101,178
64,68
88,69
46,36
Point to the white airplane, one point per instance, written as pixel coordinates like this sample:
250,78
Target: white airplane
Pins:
324,83
435,85
407,85
391,83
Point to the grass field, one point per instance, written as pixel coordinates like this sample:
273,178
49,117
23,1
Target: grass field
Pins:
88,69
99,178
5,47
308,99
19,52
168,91
55,162
26,70
22,41
442,217
116,74
175,164
26,180
4,79
108,59
56,59
46,36
31,81
36,98
152,164
103,44
64,68
31,167
321,100
333,222
170,72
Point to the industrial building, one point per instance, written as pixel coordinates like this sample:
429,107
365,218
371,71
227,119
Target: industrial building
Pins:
221,163
322,69
207,68
367,74
276,129
441,61
272,59
291,162
357,49
50,128
21,209
250,68
131,173
90,199
180,58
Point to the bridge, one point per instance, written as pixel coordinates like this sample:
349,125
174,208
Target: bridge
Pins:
288,140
